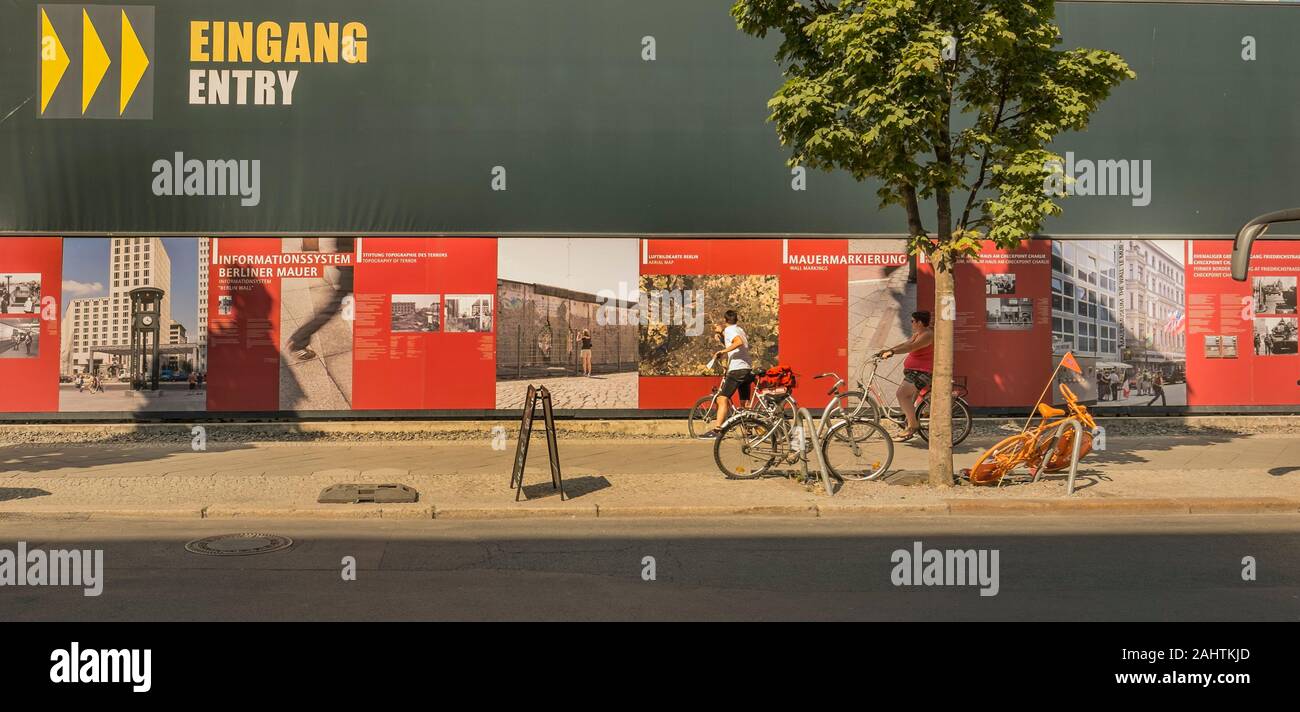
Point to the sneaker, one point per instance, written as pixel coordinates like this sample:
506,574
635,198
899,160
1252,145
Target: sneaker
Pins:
304,354
711,435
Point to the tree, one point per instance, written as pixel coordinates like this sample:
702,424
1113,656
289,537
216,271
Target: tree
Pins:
876,88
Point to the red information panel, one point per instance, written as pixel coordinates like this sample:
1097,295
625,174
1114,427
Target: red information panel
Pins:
425,323
1241,336
30,310
1003,330
244,360
791,296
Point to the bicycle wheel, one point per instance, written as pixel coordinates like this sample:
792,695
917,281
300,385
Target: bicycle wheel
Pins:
1002,458
858,449
747,447
700,418
961,420
855,409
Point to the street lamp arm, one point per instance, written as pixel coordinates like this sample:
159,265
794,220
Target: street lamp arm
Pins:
1252,231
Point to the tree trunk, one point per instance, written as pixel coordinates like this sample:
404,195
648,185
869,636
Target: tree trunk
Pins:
945,302
945,305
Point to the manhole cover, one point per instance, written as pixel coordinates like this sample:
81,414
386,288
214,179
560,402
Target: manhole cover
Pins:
239,544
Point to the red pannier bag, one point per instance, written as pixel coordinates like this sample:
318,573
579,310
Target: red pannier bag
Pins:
777,377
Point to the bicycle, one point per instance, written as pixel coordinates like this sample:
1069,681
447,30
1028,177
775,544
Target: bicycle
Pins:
752,442
961,417
1047,448
699,420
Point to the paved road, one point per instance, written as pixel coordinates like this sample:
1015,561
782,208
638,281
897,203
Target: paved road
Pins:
1086,568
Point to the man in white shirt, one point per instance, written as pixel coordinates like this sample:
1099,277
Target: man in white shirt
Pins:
740,375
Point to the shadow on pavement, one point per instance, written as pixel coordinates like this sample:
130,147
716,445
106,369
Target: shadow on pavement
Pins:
43,458
573,488
8,494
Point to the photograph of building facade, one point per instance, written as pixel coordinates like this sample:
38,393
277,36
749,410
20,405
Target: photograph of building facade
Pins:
1155,338
1085,302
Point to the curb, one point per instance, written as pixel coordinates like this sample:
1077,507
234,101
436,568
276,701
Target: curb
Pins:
319,512
950,507
588,511
763,510
92,513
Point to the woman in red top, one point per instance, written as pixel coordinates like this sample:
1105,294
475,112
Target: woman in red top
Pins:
916,369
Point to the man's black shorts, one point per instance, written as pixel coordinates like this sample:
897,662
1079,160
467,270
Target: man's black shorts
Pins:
920,379
742,379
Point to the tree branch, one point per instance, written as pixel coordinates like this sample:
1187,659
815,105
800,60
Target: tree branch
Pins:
913,207
984,160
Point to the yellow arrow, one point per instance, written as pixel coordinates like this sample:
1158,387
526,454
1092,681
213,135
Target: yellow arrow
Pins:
54,60
94,62
134,62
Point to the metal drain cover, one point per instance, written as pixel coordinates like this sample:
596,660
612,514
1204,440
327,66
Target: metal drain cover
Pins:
243,544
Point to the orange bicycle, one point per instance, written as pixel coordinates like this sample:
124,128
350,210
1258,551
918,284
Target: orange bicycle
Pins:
1047,448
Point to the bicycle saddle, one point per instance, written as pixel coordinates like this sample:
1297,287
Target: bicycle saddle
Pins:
1048,411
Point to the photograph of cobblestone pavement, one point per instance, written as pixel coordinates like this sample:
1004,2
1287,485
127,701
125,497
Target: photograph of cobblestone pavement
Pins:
608,390
567,319
315,338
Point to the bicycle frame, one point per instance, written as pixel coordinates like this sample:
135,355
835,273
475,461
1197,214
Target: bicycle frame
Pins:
773,415
1038,444
837,394
895,412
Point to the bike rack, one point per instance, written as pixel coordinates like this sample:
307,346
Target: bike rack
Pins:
810,433
1074,455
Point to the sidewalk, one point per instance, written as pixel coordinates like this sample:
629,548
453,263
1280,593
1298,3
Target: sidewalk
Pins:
604,477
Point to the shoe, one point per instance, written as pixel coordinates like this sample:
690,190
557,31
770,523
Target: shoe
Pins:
711,435
304,354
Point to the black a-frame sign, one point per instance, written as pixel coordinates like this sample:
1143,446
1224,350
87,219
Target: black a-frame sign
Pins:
526,433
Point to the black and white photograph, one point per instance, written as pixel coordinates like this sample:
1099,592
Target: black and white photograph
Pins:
469,314
20,337
1009,314
1275,337
1274,295
416,314
20,292
1000,284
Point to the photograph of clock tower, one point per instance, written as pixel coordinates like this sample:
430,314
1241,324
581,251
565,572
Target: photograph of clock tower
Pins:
95,329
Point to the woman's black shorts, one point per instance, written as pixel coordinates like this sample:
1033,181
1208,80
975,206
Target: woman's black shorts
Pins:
920,379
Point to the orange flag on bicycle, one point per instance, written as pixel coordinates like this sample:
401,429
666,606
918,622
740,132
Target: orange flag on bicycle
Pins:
1069,362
